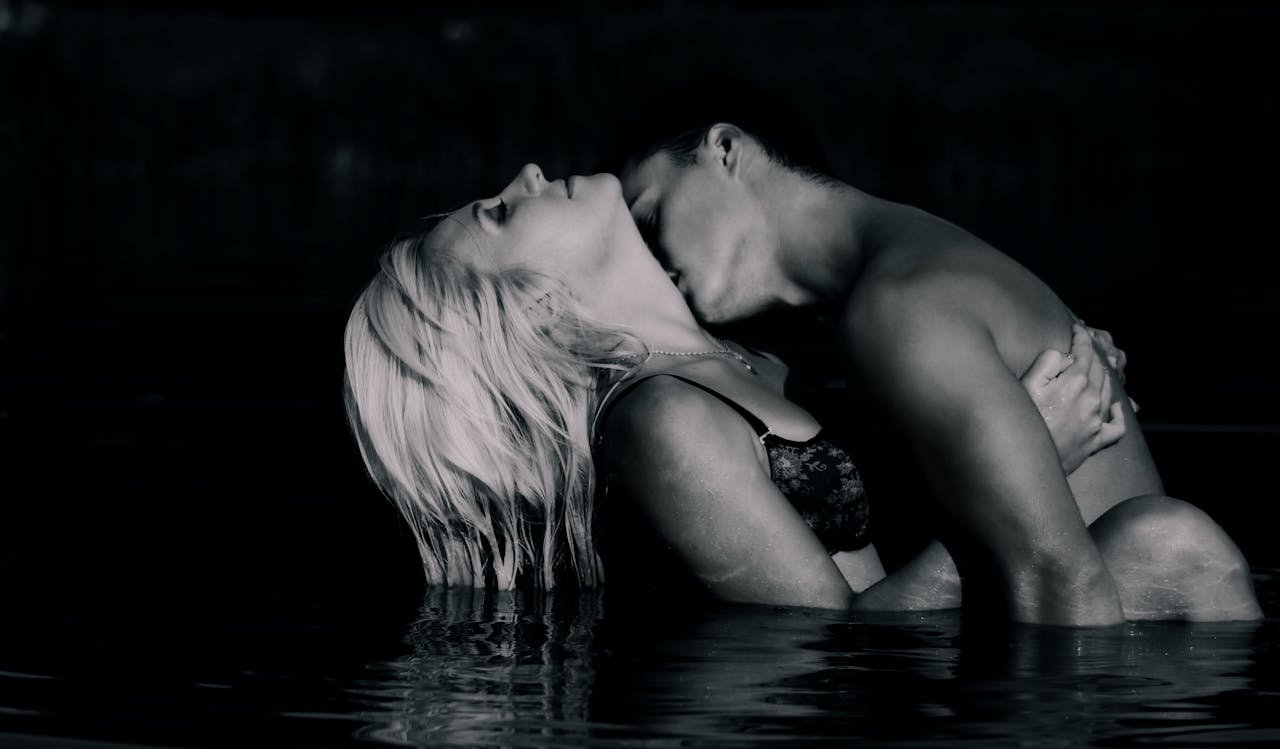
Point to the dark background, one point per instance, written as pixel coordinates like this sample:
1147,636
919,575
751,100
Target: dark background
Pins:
191,195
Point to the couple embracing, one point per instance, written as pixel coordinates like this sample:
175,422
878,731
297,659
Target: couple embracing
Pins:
530,380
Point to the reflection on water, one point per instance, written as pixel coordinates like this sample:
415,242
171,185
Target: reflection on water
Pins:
470,668
561,670
489,665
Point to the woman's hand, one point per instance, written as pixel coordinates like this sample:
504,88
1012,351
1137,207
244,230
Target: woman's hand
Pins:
1115,356
1073,395
1116,359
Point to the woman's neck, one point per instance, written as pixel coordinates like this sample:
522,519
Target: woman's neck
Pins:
633,292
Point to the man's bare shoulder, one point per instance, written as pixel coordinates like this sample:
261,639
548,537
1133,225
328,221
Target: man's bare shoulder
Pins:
967,287
897,297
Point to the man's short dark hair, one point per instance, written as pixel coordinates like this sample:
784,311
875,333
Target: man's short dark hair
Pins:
676,121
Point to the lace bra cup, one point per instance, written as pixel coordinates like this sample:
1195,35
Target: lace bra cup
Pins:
817,476
819,479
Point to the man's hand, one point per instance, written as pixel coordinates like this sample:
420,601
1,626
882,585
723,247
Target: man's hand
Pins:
1073,394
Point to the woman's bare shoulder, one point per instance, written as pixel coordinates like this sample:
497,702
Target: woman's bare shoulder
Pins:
665,416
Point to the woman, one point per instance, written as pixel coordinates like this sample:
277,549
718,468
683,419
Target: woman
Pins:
480,360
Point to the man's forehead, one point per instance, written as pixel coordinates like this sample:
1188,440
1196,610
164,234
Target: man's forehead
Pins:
647,178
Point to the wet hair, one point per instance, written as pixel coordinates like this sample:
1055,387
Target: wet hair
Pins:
471,395
676,122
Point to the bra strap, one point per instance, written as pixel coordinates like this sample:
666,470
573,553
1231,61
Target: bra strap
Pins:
757,424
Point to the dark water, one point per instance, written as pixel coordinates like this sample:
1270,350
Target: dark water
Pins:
499,670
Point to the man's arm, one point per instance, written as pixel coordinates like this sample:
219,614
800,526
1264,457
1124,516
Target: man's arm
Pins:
984,451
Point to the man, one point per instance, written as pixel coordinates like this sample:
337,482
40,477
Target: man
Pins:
935,328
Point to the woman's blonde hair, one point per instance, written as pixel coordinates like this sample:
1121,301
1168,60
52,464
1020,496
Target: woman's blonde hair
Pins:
471,394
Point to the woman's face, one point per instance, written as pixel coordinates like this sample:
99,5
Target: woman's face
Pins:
561,227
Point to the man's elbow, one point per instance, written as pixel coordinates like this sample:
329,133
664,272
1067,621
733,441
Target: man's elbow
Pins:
1070,587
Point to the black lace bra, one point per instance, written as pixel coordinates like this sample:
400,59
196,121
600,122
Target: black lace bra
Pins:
817,476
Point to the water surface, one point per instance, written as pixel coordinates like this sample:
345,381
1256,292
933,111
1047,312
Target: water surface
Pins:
477,669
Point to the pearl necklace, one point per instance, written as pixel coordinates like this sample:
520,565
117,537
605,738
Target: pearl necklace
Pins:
722,351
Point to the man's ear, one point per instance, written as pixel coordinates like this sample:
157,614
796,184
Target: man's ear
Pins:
725,143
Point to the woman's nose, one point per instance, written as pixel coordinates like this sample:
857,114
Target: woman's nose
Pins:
528,181
530,177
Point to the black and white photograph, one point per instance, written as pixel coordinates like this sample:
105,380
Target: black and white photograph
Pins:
671,374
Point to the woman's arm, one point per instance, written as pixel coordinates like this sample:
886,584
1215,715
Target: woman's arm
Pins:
928,582
692,467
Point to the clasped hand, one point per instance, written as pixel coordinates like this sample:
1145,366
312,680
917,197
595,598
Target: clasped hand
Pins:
1073,393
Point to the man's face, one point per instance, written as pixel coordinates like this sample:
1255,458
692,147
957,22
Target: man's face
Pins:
706,228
